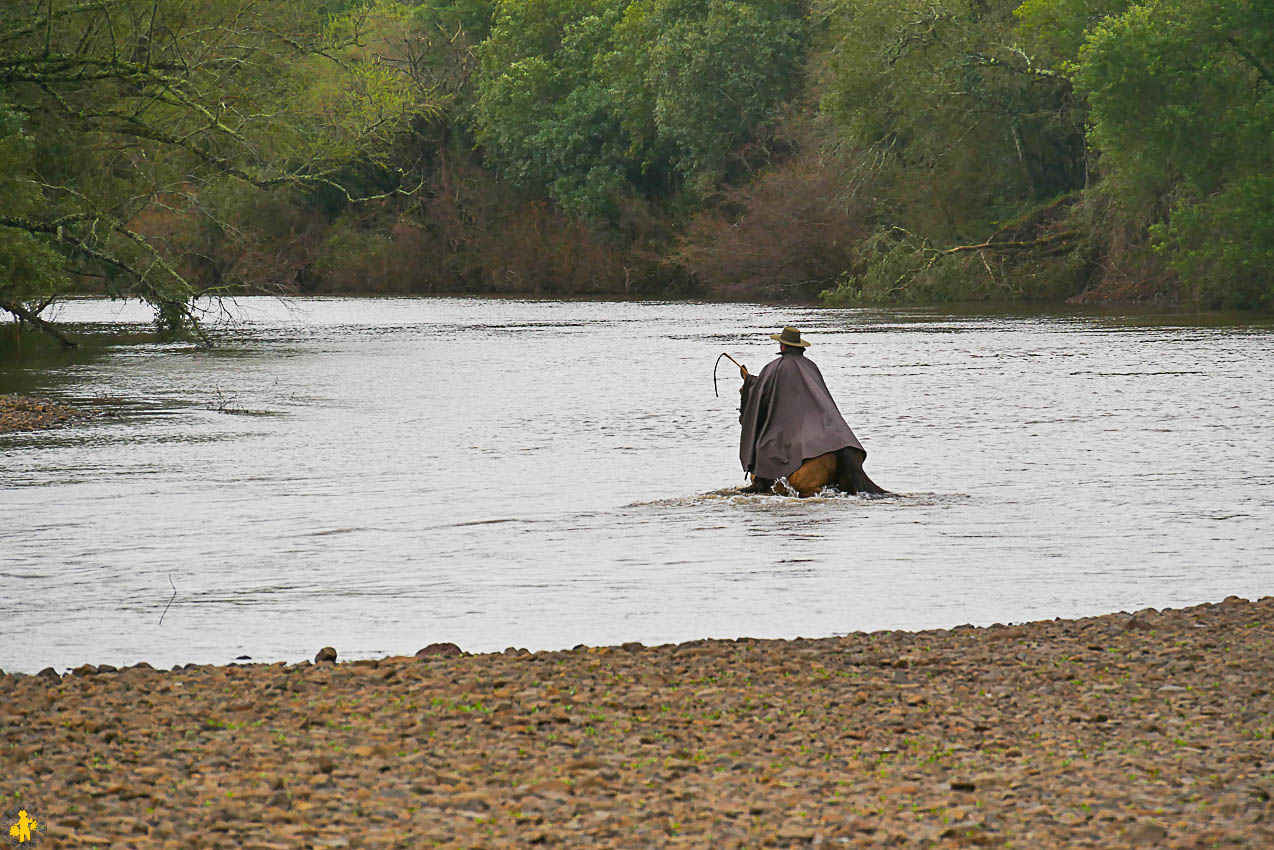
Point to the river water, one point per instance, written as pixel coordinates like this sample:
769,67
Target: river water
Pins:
380,474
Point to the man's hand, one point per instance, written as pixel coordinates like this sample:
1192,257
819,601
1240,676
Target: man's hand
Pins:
743,371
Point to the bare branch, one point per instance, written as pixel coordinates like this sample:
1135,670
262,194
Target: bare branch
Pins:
1063,236
32,318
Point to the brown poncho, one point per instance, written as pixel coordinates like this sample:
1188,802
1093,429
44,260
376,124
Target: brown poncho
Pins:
788,416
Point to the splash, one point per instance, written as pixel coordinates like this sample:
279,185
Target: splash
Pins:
743,497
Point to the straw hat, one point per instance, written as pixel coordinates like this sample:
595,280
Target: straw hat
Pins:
790,336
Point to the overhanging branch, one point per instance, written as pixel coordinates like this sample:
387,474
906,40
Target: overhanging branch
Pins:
35,321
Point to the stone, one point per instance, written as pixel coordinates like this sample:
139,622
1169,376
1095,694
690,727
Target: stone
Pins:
550,788
1147,832
443,650
50,674
85,670
326,655
470,801
729,744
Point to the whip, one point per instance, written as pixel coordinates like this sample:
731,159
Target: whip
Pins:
714,371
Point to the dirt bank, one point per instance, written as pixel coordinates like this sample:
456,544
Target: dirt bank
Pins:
1115,731
21,413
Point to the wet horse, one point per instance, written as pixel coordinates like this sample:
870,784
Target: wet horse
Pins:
841,469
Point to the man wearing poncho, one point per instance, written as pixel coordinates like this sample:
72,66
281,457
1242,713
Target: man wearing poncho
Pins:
794,440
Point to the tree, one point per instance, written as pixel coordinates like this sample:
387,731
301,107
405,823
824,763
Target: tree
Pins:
963,140
31,270
698,78
1053,31
594,101
1182,102
140,110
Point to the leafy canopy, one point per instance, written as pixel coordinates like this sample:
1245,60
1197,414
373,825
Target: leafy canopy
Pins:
1182,102
596,100
138,108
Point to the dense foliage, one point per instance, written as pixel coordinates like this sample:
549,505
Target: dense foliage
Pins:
894,150
1182,100
127,122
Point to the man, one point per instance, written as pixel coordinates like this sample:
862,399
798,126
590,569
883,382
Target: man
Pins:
794,441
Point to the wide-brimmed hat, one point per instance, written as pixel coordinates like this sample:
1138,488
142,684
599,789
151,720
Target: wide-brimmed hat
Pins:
790,336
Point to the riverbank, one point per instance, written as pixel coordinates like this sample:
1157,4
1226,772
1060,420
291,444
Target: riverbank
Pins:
1151,730
22,413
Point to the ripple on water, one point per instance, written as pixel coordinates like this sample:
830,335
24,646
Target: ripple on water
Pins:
543,474
773,501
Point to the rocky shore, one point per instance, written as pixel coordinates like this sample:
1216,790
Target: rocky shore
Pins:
21,413
1154,730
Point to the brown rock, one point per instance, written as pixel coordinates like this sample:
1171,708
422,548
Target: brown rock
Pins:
550,788
326,655
723,744
471,801
443,650
1147,832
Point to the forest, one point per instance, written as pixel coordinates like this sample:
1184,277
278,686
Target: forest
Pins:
842,151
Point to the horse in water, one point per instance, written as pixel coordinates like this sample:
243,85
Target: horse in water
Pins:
841,470
794,440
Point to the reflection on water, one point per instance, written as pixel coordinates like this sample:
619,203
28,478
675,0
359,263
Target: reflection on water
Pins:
379,474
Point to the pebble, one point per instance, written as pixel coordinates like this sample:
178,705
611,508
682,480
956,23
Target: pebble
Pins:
1057,734
445,650
22,413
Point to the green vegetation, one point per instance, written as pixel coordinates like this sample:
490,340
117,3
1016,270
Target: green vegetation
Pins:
1182,99
892,151
132,129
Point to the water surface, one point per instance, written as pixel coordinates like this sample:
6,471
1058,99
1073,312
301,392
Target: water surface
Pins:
379,474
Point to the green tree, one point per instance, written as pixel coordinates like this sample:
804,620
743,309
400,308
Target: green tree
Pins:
31,270
698,78
960,138
1052,31
139,108
1182,103
544,118
594,101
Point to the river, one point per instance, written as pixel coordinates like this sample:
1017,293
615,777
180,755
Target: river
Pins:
381,474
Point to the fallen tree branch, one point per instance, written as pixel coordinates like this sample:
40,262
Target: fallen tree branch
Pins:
36,322
1027,245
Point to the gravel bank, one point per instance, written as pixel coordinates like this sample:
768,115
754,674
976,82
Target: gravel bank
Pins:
1150,730
20,413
